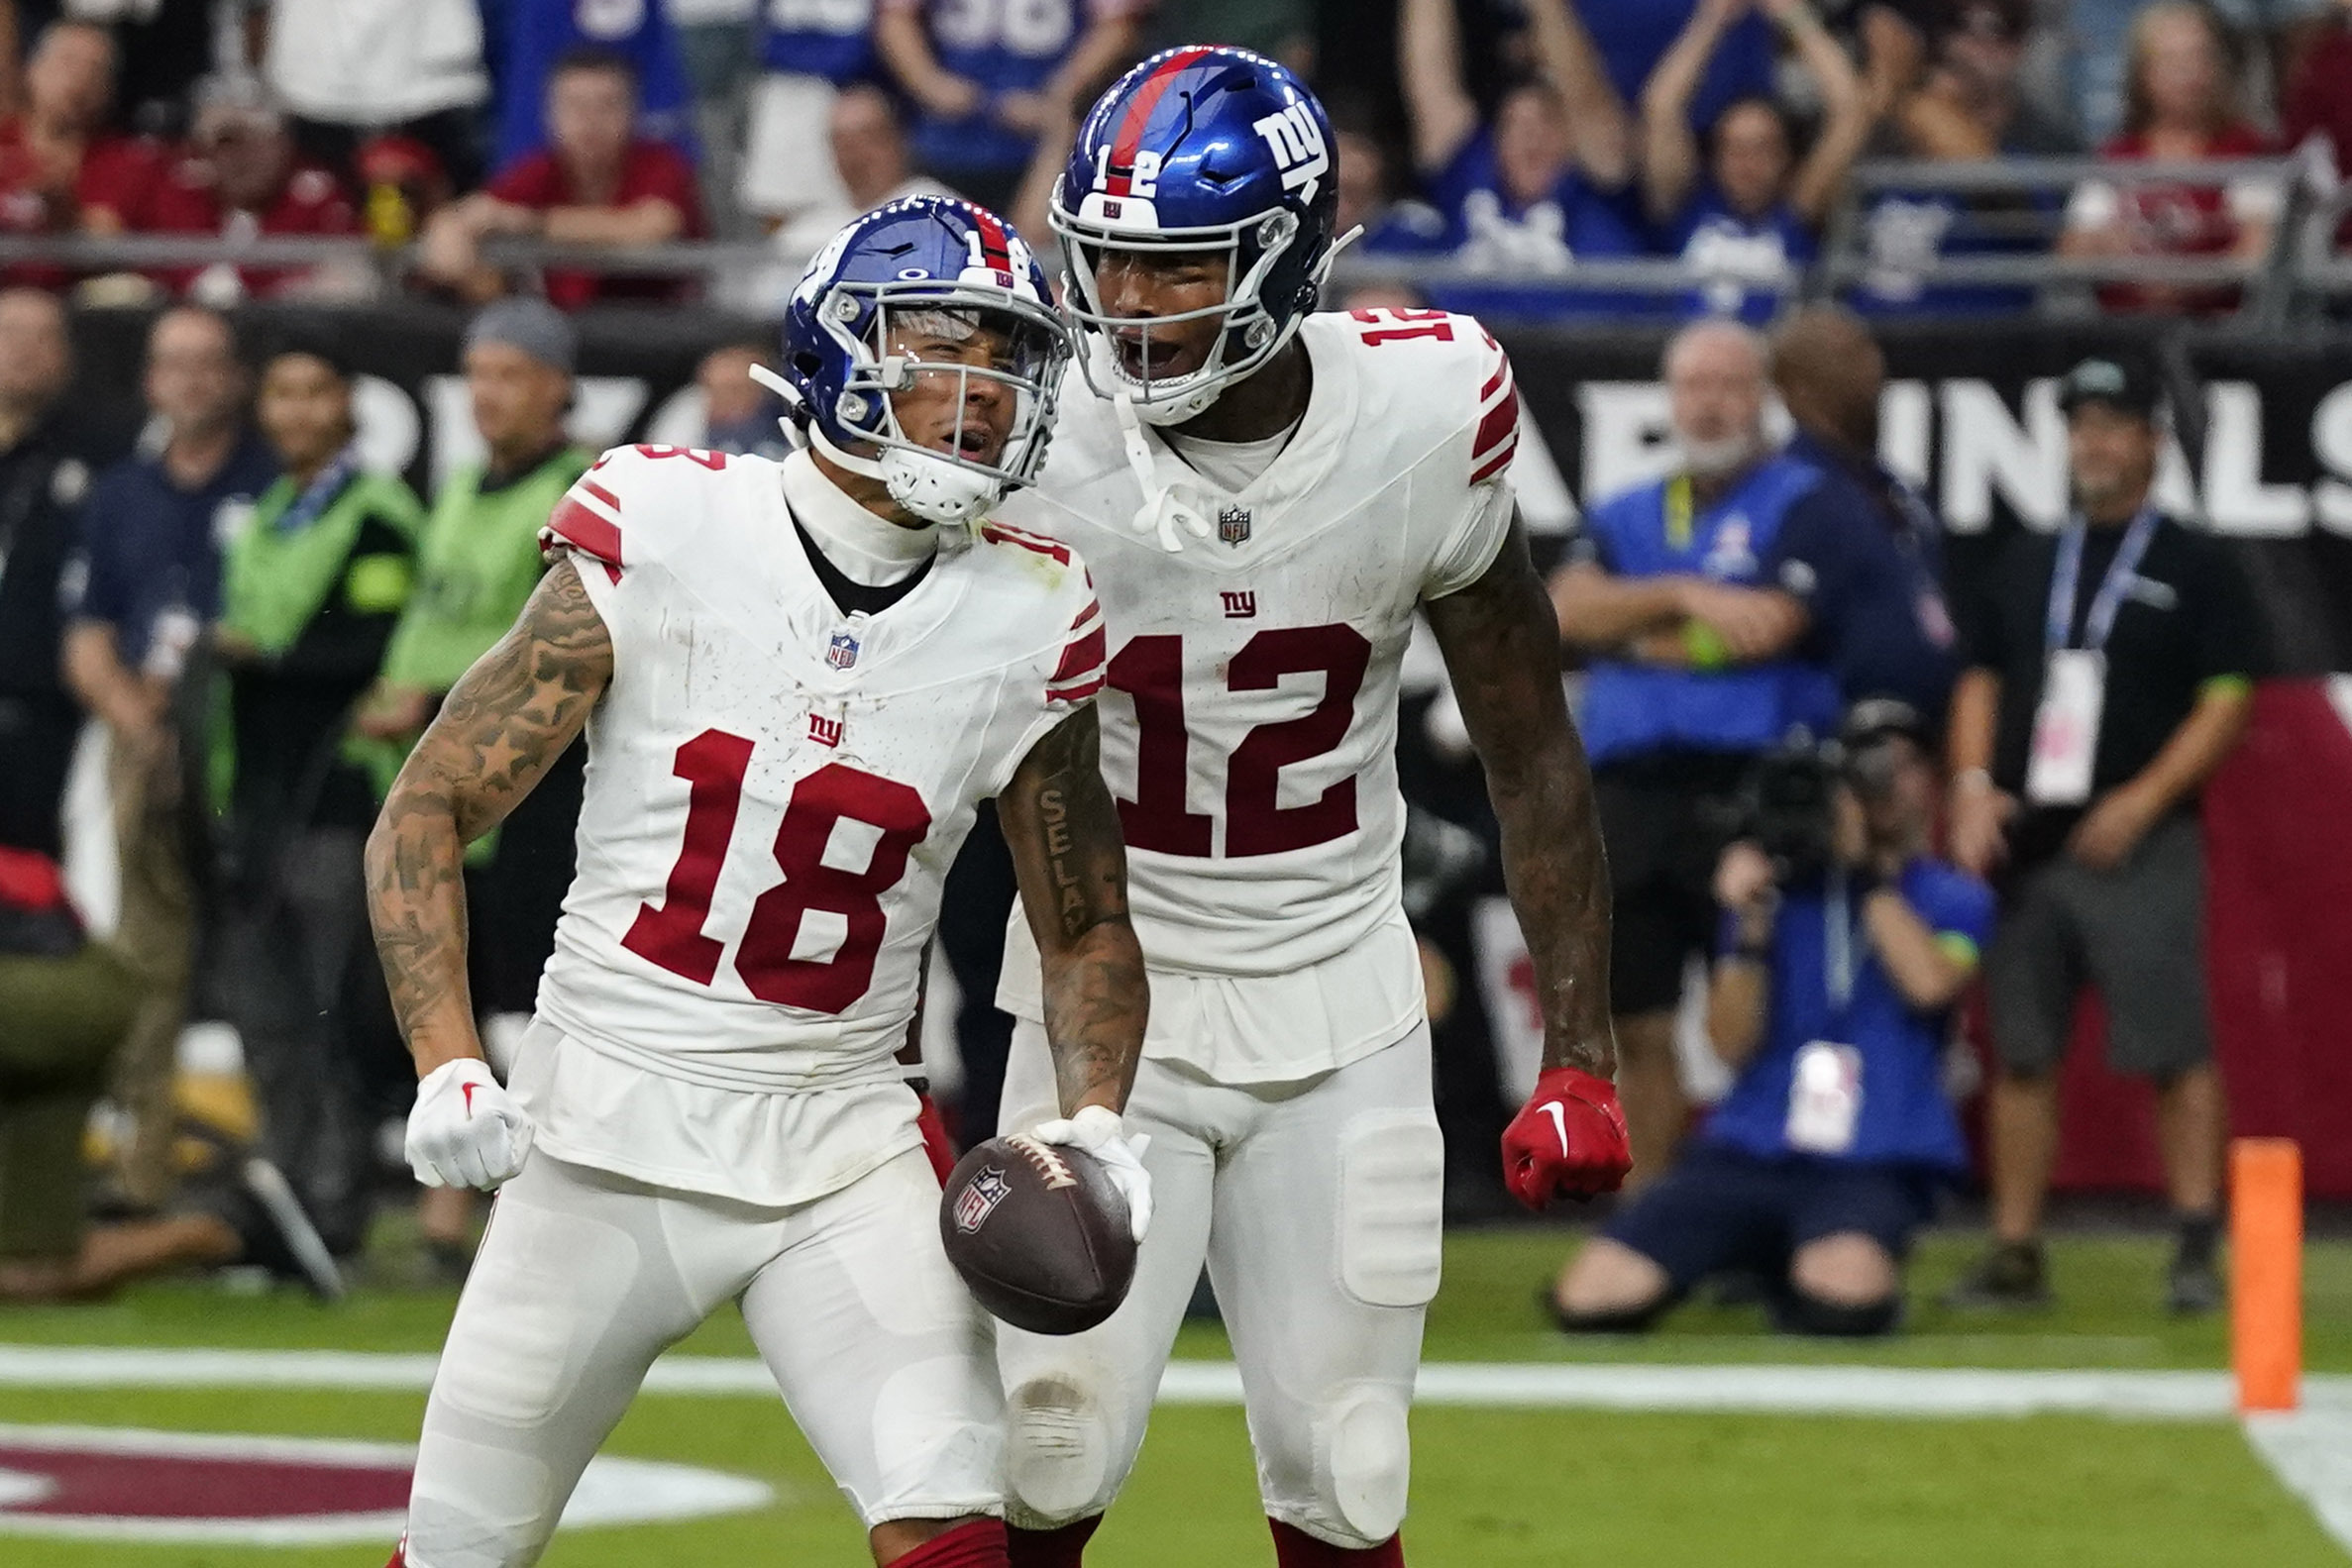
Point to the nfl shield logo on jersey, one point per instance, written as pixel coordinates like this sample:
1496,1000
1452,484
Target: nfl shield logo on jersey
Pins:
843,652
980,1200
1233,524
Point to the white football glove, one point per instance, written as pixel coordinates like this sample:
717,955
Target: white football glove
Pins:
465,1130
1097,1130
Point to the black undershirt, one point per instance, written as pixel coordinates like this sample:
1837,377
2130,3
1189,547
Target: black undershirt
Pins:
850,596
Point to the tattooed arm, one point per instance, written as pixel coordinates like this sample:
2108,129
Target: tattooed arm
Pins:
499,730
1062,827
1502,647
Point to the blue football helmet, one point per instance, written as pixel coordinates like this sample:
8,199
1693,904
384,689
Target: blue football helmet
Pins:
1200,149
928,265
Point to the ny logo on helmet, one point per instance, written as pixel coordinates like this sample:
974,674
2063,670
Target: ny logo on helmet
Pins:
1297,144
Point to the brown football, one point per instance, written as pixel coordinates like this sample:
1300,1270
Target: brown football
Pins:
1039,1234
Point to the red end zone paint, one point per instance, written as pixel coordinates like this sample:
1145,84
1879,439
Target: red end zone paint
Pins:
109,1483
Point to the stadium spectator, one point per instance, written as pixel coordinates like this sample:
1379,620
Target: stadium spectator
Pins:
1633,39
310,594
1881,619
1686,606
145,583
2275,34
808,53
362,68
1751,218
739,415
164,47
1393,224
1970,106
476,563
60,172
1831,1000
240,180
870,167
2316,106
598,183
2180,103
2109,672
990,78
1549,183
46,457
64,1000
541,35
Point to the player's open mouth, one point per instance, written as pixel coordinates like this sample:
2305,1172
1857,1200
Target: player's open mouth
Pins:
1143,360
977,443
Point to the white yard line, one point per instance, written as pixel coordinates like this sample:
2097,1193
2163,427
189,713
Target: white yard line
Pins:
2310,1451
1774,1390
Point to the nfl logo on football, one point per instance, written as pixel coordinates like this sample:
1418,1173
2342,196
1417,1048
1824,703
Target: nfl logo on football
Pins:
843,652
1233,524
980,1200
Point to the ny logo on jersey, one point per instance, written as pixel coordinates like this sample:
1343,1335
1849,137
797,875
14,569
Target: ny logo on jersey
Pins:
1298,146
1233,524
824,731
1240,604
980,1200
843,652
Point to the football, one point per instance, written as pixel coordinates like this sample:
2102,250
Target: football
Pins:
1039,1233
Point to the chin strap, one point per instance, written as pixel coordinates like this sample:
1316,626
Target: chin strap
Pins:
1160,513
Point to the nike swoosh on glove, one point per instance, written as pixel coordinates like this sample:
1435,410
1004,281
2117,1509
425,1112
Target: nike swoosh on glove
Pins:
1097,1130
465,1130
1568,1141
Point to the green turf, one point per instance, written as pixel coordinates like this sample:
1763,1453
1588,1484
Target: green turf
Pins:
1523,1488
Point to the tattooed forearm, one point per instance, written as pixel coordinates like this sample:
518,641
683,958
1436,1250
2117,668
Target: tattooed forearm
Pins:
1062,827
499,730
1502,647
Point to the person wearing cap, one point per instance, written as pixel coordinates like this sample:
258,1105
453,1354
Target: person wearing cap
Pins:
239,179
2109,672
1831,1001
477,563
143,584
1689,609
311,592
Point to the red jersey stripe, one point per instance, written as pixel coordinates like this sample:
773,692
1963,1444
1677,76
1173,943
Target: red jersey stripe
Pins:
1498,463
584,531
1501,424
1081,656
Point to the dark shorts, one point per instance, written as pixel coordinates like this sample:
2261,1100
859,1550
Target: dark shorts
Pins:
1720,1208
1665,821
2136,932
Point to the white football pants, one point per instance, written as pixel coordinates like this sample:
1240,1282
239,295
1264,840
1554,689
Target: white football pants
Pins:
585,1276
1319,1208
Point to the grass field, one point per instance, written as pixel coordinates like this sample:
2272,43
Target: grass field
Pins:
1491,1486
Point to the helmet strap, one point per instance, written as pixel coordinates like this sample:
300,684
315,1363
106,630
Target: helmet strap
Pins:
849,462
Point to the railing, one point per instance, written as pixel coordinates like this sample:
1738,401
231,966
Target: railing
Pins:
2017,204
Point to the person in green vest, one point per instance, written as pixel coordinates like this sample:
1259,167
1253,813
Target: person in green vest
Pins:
312,590
479,563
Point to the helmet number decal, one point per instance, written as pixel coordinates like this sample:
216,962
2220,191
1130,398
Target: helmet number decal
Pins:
1298,146
1143,183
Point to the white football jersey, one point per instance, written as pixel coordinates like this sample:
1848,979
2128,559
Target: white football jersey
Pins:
1249,716
776,789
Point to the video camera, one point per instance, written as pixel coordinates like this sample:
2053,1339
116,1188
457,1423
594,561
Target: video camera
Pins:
1787,805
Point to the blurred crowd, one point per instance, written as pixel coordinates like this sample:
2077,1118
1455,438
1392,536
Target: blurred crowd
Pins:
1520,138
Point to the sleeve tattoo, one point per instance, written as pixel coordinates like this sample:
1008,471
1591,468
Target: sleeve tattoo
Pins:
1501,644
1062,827
501,727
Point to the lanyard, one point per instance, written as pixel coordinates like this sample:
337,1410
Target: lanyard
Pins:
321,493
1837,917
2066,577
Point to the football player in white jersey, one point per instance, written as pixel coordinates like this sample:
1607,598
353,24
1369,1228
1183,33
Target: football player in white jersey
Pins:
797,680
1267,498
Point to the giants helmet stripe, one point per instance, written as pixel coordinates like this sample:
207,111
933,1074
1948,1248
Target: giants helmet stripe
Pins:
1131,131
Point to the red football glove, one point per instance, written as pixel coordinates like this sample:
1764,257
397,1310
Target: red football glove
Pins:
936,1142
1568,1142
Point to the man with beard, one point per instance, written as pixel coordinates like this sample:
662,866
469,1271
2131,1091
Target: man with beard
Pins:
1688,603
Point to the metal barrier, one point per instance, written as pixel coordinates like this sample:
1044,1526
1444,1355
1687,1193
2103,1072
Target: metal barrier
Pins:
2014,206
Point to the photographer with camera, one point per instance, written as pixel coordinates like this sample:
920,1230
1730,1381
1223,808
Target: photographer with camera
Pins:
1843,948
